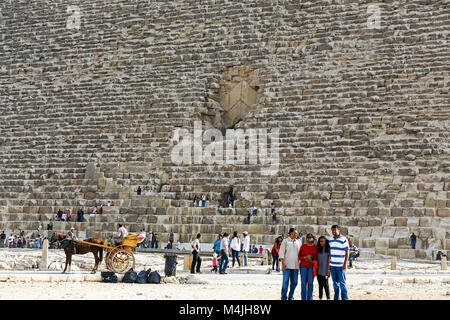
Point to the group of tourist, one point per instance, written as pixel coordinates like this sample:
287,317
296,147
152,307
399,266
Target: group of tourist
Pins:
324,258
202,201
18,241
223,248
67,214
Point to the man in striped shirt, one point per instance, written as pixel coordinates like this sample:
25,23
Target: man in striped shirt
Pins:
339,256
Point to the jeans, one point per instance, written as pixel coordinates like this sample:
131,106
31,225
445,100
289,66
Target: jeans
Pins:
223,261
339,286
196,260
235,253
307,277
413,244
350,260
245,259
289,275
275,261
323,284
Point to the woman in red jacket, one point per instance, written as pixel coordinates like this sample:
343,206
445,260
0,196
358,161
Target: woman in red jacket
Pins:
275,253
307,255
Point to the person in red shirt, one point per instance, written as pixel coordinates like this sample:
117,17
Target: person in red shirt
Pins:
275,253
307,255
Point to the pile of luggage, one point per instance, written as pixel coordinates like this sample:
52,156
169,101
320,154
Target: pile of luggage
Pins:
131,276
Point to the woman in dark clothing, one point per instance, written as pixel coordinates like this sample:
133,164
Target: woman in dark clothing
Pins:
323,270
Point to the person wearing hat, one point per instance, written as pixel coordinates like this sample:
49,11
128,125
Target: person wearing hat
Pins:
246,247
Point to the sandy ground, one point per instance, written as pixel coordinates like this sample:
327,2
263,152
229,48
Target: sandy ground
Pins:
369,280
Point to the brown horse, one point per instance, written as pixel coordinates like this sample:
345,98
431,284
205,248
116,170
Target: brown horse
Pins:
80,248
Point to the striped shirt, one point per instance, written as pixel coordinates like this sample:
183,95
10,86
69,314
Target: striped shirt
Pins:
338,248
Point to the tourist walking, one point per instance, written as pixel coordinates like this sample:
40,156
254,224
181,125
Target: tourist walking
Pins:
275,253
139,191
307,255
214,263
339,256
288,253
353,254
196,260
246,247
235,248
216,244
224,253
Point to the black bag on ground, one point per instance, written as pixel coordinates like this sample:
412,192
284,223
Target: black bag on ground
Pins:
154,277
142,276
130,276
109,277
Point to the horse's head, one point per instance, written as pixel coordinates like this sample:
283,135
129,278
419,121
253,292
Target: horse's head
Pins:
56,236
53,238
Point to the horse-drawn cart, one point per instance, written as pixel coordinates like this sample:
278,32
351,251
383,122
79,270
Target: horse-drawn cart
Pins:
119,258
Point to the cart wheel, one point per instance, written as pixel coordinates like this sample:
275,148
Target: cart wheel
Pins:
121,261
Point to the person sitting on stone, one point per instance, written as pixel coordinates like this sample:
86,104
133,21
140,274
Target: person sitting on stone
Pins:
120,236
71,236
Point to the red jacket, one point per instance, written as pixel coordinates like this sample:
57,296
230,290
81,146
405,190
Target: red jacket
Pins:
307,250
276,249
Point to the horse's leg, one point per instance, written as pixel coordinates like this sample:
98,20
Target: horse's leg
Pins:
67,261
95,253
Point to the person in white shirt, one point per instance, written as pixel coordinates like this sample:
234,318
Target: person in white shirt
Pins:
246,247
123,233
235,248
196,260
224,253
288,255
178,245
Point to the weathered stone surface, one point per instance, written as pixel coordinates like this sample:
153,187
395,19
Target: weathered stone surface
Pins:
89,113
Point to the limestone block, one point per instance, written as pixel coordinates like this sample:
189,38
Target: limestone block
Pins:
368,243
407,254
383,251
393,252
376,232
443,212
388,232
420,254
402,233
393,243
381,243
400,221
